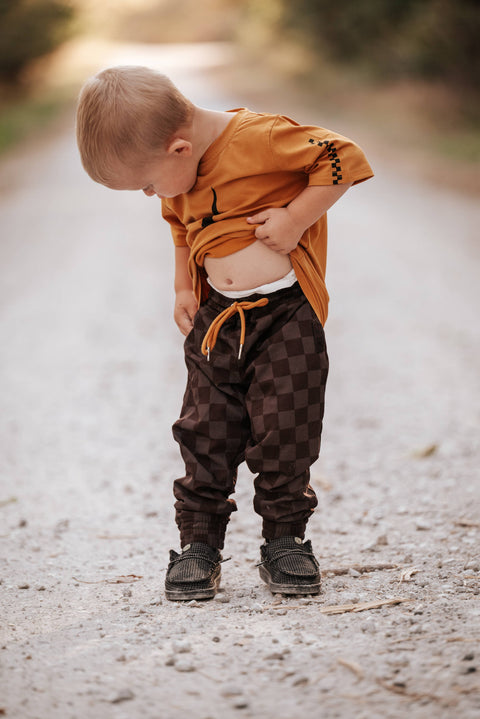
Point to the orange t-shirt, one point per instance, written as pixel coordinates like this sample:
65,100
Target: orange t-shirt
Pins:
261,161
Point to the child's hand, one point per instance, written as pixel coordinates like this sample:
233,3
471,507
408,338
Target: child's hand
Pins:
185,310
277,229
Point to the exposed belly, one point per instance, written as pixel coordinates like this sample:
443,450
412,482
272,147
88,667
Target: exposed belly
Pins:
248,268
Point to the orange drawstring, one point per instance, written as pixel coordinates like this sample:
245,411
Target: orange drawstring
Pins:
211,335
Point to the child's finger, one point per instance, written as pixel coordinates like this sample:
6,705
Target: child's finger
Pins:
261,232
186,325
258,218
184,320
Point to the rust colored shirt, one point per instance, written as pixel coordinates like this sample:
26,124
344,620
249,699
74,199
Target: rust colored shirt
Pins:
261,161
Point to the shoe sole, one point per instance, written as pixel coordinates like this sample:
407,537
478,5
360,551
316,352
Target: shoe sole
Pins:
278,588
183,595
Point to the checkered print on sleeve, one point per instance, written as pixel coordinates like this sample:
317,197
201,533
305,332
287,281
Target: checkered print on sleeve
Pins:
332,155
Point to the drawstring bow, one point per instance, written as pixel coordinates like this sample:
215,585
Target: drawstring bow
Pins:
211,335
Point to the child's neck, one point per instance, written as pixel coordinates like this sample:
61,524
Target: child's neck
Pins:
207,125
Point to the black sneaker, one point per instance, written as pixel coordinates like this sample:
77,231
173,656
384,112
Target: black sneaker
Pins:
193,574
289,566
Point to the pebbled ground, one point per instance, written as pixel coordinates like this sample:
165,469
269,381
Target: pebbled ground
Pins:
91,379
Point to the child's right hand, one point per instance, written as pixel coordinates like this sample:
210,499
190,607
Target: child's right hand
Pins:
185,310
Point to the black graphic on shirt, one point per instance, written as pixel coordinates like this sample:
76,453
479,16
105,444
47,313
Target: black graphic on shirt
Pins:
333,157
209,220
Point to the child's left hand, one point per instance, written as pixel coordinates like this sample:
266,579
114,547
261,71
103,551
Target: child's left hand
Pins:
277,229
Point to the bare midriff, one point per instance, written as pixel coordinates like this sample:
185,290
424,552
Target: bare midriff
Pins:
250,267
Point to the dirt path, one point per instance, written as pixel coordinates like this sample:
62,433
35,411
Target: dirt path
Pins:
91,379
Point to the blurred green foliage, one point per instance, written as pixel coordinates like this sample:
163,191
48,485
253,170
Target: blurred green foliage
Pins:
432,39
18,120
28,30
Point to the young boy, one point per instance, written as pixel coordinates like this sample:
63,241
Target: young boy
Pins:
246,196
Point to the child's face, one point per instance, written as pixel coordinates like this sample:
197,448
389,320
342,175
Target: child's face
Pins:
171,173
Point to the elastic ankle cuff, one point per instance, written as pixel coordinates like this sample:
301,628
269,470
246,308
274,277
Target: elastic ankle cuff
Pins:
275,530
206,528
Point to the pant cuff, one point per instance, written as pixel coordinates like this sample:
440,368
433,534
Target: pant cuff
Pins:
206,528
275,530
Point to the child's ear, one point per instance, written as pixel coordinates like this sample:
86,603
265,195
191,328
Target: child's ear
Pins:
179,146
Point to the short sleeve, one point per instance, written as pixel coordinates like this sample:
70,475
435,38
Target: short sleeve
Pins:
178,229
325,156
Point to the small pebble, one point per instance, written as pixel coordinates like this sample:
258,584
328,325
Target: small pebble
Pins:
184,666
275,656
422,526
300,681
230,690
181,646
192,603
222,598
24,586
240,704
124,696
368,626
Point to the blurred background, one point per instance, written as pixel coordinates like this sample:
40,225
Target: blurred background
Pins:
91,368
407,69
79,263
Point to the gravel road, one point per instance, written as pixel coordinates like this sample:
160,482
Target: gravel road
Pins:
92,376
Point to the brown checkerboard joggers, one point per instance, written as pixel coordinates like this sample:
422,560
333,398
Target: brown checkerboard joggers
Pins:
265,409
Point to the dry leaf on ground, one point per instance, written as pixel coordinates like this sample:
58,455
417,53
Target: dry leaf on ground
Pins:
362,606
352,666
407,574
123,579
361,568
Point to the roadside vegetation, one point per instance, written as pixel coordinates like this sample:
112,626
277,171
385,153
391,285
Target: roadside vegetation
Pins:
410,66
407,68
29,30
386,40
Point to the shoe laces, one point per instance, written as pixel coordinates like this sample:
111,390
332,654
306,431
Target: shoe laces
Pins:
275,553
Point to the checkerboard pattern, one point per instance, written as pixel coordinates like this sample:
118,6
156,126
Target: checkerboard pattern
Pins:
265,409
332,156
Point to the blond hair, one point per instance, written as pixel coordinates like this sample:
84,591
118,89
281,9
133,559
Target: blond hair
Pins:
124,115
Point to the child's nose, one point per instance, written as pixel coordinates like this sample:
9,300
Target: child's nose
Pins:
149,191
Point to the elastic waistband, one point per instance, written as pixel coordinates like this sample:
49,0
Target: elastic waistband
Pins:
221,302
267,289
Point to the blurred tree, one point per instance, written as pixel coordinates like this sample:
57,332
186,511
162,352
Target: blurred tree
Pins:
443,41
29,29
391,38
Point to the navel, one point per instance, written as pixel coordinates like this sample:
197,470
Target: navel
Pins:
228,281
